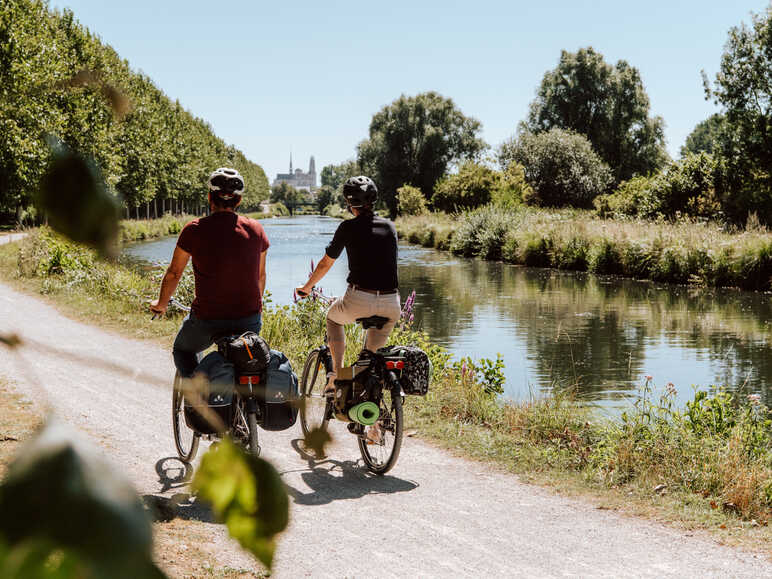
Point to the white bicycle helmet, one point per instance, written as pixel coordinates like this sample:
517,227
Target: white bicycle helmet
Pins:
226,183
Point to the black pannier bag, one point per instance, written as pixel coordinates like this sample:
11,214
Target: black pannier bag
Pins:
249,353
417,371
278,405
214,391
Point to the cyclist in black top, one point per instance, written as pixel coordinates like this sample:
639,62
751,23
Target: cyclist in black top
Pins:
373,285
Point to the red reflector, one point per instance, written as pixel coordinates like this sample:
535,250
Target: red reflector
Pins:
246,379
391,365
400,365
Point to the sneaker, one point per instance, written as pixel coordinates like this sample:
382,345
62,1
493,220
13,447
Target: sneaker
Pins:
329,390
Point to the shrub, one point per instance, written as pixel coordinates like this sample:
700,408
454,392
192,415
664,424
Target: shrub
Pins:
471,187
481,232
686,187
560,165
512,188
279,209
634,198
410,201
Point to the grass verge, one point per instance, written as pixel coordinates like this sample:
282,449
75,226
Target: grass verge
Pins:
708,466
684,252
132,230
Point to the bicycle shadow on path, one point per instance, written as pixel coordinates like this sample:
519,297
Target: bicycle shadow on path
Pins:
332,480
173,474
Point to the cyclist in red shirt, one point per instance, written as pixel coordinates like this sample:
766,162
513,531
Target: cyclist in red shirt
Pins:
228,252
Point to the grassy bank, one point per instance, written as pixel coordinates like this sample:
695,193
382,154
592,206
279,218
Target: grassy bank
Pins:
706,466
698,253
142,229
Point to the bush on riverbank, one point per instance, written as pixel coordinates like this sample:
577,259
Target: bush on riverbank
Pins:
576,240
715,452
143,229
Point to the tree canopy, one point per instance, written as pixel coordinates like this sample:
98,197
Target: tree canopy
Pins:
607,104
743,87
705,136
561,167
413,140
59,80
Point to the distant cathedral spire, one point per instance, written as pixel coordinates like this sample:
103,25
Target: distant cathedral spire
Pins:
312,165
290,162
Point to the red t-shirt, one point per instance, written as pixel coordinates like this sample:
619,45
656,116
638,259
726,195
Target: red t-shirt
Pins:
226,249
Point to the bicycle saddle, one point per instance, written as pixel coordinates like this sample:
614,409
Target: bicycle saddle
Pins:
372,322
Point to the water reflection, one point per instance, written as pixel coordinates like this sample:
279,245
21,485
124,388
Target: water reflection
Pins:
555,329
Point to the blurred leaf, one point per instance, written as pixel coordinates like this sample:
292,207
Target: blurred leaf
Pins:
247,494
120,104
10,340
40,559
317,439
74,197
61,492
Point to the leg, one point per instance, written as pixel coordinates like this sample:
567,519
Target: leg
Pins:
343,311
336,339
387,306
192,338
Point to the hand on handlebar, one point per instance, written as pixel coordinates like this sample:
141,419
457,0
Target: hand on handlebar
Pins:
302,291
157,309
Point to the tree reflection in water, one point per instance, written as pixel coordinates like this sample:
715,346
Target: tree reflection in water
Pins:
558,329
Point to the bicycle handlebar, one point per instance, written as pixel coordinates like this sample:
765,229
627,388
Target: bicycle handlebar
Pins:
313,294
174,303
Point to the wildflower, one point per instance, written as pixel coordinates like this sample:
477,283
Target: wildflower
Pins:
754,399
648,377
671,390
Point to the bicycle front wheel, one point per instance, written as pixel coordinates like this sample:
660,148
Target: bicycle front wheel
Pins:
314,410
380,449
185,439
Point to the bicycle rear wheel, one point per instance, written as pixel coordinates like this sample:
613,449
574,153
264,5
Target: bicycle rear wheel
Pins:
254,447
314,409
382,455
185,439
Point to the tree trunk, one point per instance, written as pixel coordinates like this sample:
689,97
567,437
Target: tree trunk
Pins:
155,207
147,210
136,212
127,212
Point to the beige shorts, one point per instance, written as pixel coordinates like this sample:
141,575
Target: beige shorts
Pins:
358,304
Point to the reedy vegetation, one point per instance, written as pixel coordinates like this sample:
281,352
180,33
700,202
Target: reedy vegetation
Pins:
571,239
715,455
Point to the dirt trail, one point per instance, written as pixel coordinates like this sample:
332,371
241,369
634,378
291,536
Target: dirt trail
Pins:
433,515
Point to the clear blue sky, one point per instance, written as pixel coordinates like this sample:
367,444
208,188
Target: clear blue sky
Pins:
308,76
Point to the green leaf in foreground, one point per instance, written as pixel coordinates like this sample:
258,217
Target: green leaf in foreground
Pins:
73,196
247,494
61,501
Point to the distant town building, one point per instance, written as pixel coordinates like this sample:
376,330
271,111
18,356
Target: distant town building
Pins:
298,179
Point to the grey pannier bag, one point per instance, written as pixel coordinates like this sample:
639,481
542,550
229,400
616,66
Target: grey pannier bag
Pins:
416,371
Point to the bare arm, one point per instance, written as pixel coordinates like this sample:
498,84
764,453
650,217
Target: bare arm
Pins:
261,281
319,272
170,280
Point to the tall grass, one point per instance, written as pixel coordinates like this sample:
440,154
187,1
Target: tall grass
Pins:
143,229
699,253
716,451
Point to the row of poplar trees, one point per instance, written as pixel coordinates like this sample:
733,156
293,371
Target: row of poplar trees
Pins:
59,83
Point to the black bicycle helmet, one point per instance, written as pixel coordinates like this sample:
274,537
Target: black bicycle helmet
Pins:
360,191
226,183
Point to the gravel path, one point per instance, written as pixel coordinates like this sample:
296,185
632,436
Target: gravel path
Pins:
433,515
